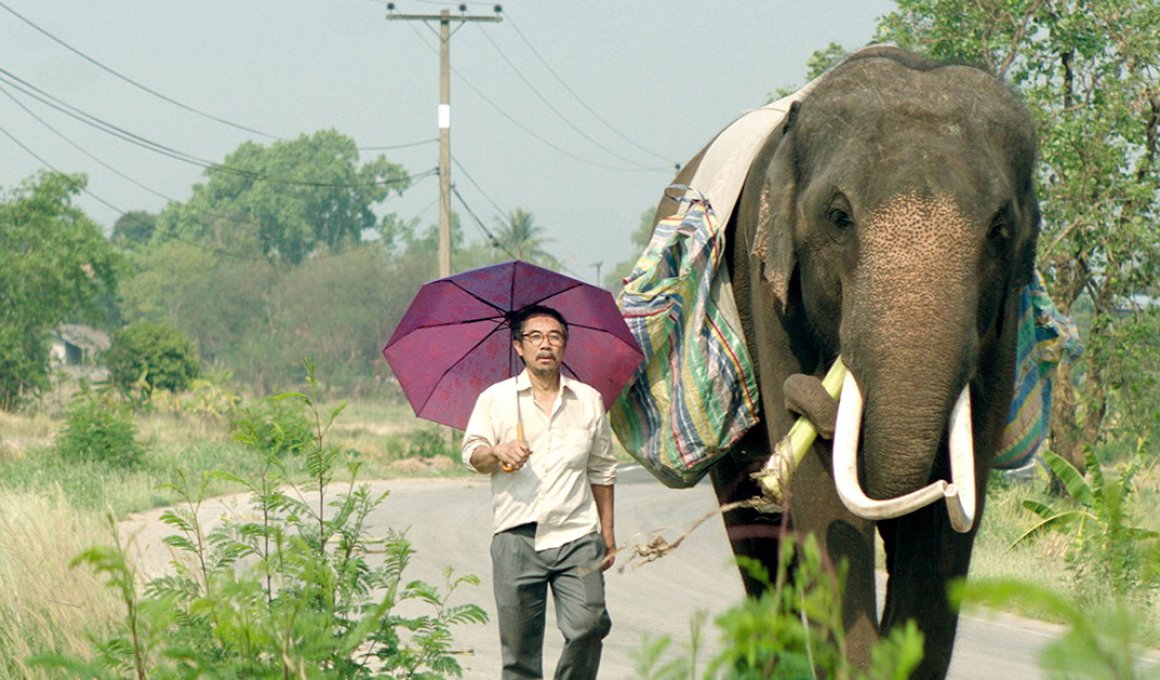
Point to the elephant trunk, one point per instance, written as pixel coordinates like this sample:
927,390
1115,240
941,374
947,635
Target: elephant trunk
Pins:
910,341
904,430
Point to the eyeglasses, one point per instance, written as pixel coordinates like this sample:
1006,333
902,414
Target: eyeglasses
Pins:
554,338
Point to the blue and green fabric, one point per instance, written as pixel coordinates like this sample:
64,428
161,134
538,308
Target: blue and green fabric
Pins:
695,393
1046,337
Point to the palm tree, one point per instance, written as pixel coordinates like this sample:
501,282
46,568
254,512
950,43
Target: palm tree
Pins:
520,238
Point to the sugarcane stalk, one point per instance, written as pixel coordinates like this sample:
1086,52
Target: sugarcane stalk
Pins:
791,449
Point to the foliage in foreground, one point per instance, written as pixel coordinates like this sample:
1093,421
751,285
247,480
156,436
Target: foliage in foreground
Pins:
292,593
794,630
1101,643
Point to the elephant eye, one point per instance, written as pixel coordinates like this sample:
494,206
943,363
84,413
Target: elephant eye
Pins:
839,218
838,214
1000,231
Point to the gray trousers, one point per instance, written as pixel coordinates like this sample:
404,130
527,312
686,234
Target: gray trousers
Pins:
522,575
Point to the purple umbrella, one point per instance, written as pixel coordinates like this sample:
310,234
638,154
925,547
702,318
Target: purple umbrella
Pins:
455,339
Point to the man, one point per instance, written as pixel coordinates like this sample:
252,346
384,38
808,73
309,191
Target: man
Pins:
547,445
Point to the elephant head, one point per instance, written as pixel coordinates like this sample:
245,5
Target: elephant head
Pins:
891,221
900,195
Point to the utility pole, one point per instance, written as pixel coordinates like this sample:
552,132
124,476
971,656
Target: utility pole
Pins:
444,115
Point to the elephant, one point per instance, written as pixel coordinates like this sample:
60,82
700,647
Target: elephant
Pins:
891,220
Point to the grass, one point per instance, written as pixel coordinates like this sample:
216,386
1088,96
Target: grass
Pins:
45,604
1044,560
51,511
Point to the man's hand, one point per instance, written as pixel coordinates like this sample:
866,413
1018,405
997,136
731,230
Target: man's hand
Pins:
610,557
513,455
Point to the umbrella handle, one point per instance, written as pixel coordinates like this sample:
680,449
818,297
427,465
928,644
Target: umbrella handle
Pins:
520,436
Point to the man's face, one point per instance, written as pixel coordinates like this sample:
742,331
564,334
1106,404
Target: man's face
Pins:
542,344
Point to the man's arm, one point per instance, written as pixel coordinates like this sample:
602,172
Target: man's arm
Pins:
487,459
479,452
603,494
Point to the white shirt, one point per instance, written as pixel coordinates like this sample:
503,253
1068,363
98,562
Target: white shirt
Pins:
571,449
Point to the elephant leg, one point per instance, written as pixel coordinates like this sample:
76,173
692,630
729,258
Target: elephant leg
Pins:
816,508
752,534
923,555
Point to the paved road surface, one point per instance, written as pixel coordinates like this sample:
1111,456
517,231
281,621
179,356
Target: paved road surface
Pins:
448,522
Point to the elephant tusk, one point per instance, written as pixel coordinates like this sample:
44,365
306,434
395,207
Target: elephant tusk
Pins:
961,503
960,506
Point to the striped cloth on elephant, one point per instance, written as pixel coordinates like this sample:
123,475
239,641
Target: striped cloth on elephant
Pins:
695,392
1046,337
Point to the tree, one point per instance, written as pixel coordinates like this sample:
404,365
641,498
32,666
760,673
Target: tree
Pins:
519,237
225,304
1087,70
287,201
145,357
133,229
54,266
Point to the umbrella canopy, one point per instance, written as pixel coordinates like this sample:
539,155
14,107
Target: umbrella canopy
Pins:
455,339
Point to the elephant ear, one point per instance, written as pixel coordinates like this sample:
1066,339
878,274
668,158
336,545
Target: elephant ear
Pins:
777,210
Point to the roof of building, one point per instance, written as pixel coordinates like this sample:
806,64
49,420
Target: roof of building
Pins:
85,337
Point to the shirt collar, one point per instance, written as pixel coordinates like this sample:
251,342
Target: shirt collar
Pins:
524,381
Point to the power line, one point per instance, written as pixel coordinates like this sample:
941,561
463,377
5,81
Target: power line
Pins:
397,146
216,250
30,90
198,211
495,242
476,185
76,146
577,97
525,128
129,80
50,166
561,116
166,98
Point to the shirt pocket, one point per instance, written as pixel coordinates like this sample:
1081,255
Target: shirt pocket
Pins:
573,444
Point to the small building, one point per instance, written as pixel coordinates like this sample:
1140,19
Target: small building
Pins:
75,348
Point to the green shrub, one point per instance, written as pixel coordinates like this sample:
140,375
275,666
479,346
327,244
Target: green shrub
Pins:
277,425
99,429
430,443
295,589
145,357
1107,550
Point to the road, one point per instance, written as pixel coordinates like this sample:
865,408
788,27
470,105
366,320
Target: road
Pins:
448,522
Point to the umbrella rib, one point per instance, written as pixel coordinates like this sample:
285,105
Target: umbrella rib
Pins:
485,301
460,322
570,286
459,361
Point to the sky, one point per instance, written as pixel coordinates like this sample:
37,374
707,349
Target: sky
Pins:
574,112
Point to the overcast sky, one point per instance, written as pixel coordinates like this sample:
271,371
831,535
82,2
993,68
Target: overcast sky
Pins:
574,112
